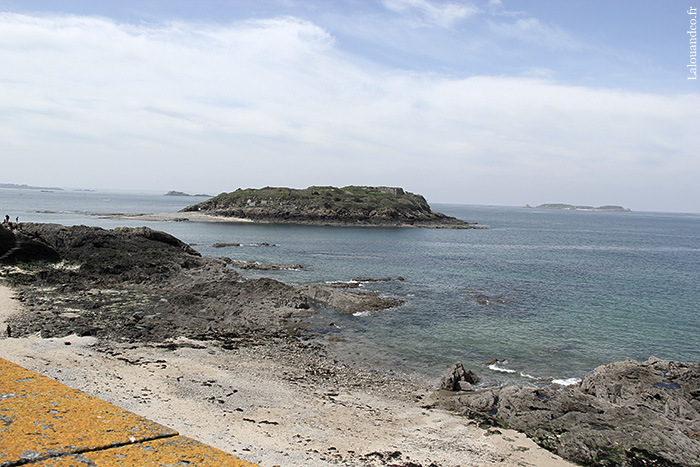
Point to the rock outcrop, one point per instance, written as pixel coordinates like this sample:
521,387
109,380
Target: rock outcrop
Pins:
347,206
139,284
623,414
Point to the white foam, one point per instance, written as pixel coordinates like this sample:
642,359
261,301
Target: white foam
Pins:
361,313
495,367
567,381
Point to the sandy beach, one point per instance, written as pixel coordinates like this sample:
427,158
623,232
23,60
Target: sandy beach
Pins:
176,217
257,403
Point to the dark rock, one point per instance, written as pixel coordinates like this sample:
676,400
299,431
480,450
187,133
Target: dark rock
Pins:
458,379
370,279
134,253
144,285
382,279
626,413
7,240
16,247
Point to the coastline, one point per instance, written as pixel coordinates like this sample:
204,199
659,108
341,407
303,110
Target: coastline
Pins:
263,404
196,216
199,333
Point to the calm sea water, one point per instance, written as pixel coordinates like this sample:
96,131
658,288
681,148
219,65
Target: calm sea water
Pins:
553,293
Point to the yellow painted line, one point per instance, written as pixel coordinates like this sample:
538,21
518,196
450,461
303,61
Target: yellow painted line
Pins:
42,419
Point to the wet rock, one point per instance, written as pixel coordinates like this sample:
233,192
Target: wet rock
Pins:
382,279
626,413
347,301
262,266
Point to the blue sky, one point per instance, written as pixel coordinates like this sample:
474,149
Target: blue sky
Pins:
477,102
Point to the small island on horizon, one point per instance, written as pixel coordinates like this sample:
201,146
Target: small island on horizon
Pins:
16,186
183,194
572,207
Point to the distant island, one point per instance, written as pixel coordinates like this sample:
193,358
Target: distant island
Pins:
326,205
182,193
15,186
571,207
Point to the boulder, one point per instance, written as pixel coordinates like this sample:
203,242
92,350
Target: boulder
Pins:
458,379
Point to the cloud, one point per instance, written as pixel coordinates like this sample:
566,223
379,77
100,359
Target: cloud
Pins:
534,31
496,7
444,15
205,107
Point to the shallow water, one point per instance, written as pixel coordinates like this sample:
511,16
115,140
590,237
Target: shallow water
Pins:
553,293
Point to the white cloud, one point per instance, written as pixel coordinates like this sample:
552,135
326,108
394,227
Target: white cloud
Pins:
496,7
273,102
441,14
535,31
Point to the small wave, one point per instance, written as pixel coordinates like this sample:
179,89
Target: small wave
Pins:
567,381
361,313
495,367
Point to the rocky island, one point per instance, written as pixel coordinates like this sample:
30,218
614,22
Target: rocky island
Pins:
325,205
24,186
572,207
183,194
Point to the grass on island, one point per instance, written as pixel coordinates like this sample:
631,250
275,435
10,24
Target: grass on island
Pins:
349,198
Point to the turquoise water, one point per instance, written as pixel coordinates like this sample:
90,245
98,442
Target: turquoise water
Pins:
555,293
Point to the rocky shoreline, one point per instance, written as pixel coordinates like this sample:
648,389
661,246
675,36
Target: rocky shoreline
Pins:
139,288
623,414
137,284
140,319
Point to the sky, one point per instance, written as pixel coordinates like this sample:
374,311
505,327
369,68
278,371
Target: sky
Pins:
490,102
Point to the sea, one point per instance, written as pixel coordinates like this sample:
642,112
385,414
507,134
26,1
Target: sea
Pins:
539,296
